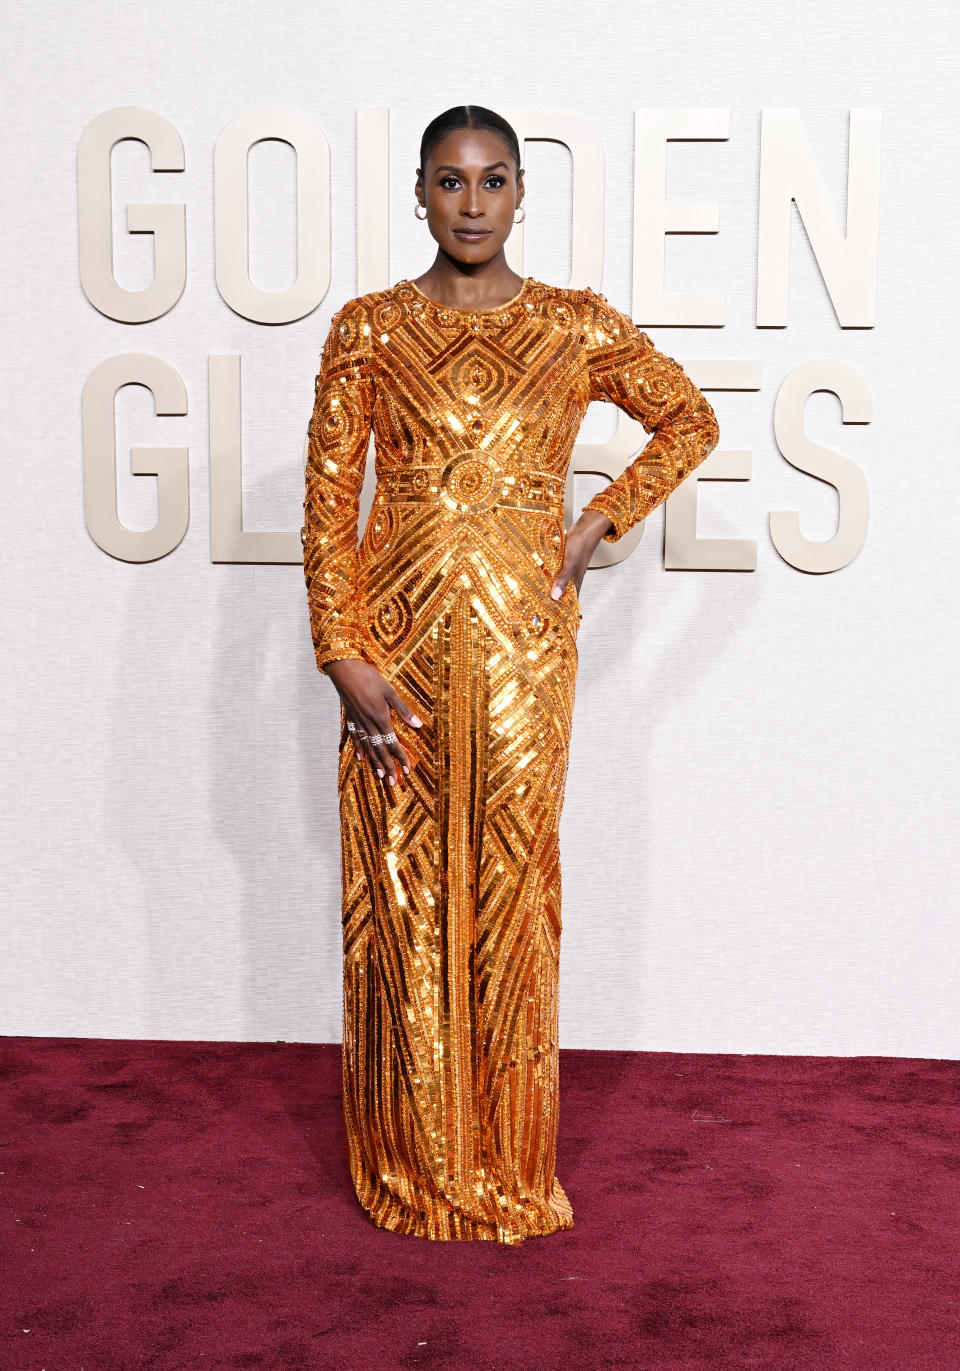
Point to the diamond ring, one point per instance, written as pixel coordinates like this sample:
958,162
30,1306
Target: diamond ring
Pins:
376,738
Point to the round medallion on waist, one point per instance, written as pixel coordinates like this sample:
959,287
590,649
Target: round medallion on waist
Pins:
471,482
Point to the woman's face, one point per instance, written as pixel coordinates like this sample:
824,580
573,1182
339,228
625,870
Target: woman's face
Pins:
471,190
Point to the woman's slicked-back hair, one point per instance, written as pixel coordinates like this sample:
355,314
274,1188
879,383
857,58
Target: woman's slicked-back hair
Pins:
467,117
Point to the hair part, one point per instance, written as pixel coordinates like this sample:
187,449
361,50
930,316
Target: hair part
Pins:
468,117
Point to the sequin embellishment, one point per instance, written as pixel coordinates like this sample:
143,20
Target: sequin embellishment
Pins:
451,881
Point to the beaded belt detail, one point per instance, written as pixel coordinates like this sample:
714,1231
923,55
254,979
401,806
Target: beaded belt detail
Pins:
473,482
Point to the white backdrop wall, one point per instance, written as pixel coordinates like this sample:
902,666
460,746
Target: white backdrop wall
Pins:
759,840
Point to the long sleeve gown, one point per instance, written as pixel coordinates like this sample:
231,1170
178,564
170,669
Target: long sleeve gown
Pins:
451,879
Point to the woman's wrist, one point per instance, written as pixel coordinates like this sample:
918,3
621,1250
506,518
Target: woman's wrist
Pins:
592,525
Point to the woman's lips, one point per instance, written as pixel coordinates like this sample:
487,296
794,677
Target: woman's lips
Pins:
472,235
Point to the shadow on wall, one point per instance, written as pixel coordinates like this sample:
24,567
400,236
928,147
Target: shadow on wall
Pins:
642,654
222,794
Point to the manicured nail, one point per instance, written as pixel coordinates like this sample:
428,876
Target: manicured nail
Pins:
415,721
556,592
379,770
406,770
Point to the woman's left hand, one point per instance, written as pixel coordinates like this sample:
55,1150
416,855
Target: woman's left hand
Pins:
580,545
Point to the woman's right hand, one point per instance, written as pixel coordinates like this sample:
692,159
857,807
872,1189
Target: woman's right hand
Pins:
368,699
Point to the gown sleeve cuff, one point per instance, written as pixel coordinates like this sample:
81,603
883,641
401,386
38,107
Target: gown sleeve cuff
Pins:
336,651
620,519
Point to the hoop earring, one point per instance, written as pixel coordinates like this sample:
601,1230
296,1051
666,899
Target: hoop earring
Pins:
523,215
419,206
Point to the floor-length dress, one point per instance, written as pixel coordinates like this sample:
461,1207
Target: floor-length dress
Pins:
451,879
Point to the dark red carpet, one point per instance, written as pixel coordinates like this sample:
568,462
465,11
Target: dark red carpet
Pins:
187,1205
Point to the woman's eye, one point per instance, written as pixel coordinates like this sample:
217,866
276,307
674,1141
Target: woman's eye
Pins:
498,181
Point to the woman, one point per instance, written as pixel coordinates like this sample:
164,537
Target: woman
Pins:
450,635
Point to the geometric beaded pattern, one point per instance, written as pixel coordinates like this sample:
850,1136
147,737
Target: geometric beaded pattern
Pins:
451,879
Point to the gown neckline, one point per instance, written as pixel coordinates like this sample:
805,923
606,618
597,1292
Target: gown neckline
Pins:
452,309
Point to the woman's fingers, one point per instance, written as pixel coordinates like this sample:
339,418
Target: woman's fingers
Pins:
383,748
360,742
373,732
384,754
567,573
401,707
360,730
394,748
356,731
374,750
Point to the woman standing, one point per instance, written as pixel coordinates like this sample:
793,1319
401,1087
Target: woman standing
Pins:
450,635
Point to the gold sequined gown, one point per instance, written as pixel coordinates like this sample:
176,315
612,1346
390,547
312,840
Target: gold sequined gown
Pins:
451,879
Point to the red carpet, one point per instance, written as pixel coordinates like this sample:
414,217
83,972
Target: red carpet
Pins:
173,1205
